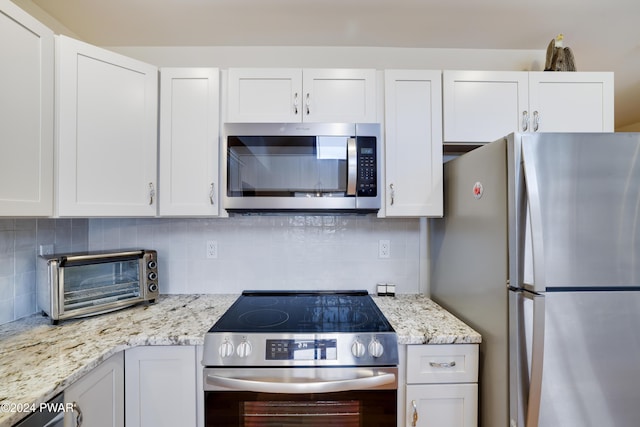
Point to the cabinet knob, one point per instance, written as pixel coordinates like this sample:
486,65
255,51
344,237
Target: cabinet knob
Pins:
212,193
152,193
76,409
414,421
392,193
525,121
536,121
308,102
295,103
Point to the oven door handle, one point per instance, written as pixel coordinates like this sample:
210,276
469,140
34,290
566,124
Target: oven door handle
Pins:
261,386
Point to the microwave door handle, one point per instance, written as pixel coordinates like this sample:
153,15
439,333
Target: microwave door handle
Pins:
352,166
261,386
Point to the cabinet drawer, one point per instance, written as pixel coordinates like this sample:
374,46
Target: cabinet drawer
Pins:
450,363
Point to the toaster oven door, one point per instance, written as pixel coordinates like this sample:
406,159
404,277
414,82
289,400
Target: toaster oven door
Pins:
92,284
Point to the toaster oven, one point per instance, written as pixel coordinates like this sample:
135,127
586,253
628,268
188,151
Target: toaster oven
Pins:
84,284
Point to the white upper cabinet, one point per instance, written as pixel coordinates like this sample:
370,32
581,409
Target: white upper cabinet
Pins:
189,125
482,106
413,150
107,134
26,114
571,102
288,95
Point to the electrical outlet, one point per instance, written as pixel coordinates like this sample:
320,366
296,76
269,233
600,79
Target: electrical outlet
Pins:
384,248
46,249
212,249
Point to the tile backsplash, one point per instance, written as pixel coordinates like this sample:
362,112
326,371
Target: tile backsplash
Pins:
19,243
253,252
271,252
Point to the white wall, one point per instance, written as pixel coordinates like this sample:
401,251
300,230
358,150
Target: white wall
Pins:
272,252
340,57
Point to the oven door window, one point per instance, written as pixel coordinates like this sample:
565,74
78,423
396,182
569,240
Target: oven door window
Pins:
369,408
287,166
91,284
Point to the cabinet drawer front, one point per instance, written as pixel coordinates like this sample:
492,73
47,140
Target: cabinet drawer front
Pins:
455,363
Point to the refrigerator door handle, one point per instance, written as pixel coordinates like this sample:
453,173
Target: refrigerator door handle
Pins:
537,358
535,215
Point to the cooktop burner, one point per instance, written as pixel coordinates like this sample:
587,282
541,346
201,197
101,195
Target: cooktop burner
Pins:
301,328
303,312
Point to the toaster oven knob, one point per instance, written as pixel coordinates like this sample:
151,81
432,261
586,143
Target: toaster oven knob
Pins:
153,287
226,349
244,349
152,264
375,348
357,348
152,275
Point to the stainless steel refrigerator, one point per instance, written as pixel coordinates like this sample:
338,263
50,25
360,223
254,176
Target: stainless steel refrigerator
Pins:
539,250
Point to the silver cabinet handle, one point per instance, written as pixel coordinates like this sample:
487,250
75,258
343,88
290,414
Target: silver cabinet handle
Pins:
525,121
442,364
212,193
414,421
352,166
392,193
76,408
308,102
152,193
261,386
536,121
295,103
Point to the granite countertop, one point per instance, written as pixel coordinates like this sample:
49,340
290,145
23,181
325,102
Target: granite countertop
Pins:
38,360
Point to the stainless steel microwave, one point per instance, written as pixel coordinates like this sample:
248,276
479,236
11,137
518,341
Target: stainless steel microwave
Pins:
302,167
83,284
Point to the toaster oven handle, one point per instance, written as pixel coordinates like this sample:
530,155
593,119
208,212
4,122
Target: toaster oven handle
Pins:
261,386
75,259
352,166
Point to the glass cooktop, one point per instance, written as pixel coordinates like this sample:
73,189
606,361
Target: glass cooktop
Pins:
303,312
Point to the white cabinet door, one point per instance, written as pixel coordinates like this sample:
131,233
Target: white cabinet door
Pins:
339,95
571,102
107,146
160,386
26,114
290,95
262,95
189,124
413,152
442,405
483,106
98,397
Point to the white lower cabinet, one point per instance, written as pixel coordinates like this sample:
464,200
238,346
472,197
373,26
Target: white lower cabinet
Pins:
441,385
98,397
161,386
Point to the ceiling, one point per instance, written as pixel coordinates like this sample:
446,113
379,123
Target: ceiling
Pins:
603,34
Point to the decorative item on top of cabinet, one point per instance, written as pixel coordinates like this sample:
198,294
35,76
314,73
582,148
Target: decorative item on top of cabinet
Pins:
289,95
483,106
98,397
442,385
26,114
189,124
413,146
107,128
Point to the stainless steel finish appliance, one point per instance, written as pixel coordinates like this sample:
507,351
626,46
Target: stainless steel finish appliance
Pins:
49,414
539,251
83,284
302,167
310,358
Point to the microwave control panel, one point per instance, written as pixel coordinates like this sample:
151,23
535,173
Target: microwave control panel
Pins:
367,167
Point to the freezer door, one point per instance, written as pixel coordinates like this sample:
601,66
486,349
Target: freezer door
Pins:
589,359
583,197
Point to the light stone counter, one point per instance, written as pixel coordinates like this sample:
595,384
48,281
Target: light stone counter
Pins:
38,360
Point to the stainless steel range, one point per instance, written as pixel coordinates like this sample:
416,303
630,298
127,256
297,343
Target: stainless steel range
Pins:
304,358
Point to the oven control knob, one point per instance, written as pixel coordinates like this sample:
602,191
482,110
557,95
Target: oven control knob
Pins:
375,348
226,349
357,348
244,349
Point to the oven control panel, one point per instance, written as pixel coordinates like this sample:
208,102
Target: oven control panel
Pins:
300,349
